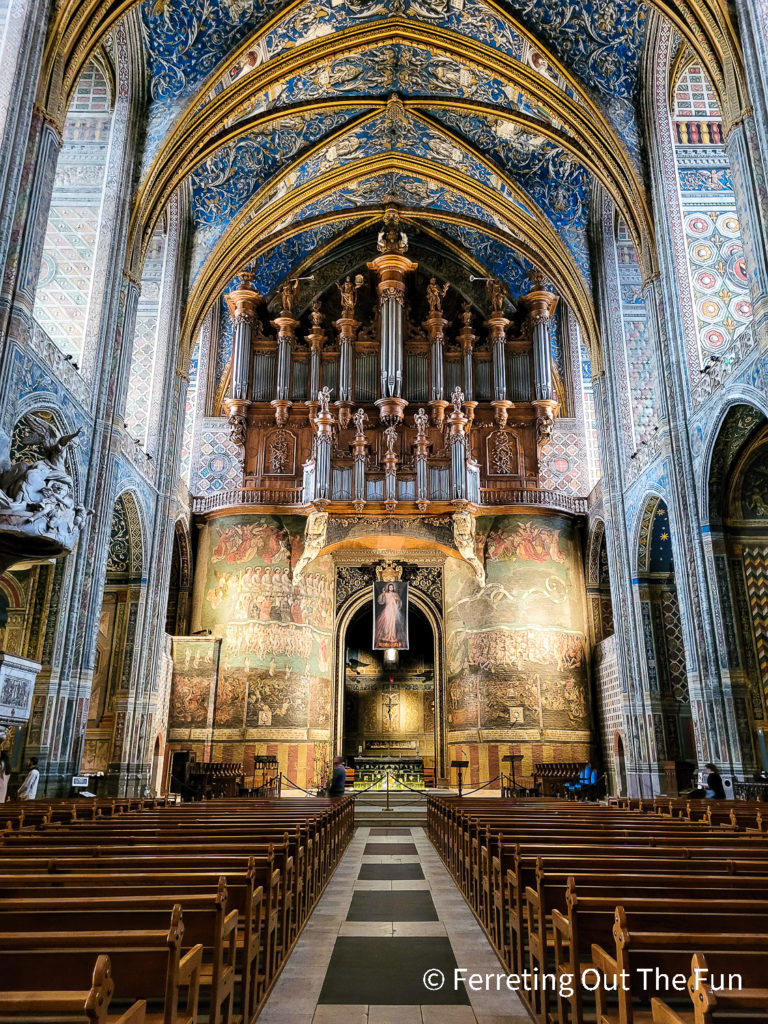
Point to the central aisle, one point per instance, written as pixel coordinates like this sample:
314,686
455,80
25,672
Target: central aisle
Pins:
390,914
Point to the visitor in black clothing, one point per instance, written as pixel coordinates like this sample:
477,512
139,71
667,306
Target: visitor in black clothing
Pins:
338,779
715,790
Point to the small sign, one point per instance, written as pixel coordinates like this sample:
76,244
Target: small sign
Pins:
80,781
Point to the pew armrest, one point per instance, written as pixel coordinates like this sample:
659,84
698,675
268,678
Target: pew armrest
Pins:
134,1015
664,1014
607,967
189,975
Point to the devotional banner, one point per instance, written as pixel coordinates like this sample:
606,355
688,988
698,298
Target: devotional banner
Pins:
390,615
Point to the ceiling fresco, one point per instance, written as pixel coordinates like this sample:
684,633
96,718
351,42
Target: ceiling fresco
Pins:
490,113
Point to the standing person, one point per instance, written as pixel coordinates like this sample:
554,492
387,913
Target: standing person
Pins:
5,774
28,788
338,779
715,789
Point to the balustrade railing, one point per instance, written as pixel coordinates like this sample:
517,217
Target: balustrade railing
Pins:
489,497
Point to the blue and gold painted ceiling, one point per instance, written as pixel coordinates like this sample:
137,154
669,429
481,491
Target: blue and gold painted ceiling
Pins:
493,119
205,46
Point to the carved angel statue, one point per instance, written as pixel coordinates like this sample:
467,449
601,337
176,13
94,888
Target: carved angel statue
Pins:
287,295
317,314
435,296
360,420
391,238
421,422
390,437
315,533
37,499
324,398
348,292
495,297
466,315
457,397
464,534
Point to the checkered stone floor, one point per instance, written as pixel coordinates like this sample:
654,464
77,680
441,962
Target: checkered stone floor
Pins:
390,924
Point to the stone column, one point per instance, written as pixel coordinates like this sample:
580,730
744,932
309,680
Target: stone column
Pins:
392,266
540,304
316,338
711,694
242,305
31,246
347,327
748,171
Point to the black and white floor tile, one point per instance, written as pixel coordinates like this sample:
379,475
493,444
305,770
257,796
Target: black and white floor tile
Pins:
390,917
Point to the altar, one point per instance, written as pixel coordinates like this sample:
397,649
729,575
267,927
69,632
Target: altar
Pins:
402,772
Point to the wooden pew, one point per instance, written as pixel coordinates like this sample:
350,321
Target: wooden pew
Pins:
207,922
590,921
147,965
71,1004
647,959
711,1006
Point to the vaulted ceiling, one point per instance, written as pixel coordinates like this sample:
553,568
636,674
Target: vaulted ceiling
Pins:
487,123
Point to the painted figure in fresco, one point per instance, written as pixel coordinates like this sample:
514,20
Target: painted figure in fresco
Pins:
390,620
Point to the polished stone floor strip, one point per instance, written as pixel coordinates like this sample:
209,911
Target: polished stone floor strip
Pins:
389,920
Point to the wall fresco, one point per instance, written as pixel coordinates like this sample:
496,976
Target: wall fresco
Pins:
274,674
516,650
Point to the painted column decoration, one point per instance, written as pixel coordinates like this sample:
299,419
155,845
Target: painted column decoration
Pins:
421,448
392,266
435,326
457,426
359,454
348,327
49,147
316,339
286,325
540,304
242,305
497,325
324,424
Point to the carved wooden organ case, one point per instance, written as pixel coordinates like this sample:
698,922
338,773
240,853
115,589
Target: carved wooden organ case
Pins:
389,390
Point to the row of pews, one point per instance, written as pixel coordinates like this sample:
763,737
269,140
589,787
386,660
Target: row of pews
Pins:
160,914
612,911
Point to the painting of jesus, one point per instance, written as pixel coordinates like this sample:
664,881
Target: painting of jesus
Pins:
390,615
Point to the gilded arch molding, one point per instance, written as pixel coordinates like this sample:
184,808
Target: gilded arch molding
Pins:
585,127
708,27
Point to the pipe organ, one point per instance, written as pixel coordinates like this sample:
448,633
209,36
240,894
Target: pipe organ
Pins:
379,397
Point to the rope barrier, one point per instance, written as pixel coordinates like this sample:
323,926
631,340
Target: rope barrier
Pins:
490,782
296,785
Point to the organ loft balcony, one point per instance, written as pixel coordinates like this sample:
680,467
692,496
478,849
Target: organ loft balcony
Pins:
391,391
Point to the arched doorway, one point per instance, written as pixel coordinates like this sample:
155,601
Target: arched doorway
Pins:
664,650
387,709
621,766
738,534
389,706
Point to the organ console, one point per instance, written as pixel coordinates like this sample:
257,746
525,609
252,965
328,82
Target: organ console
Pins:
404,405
